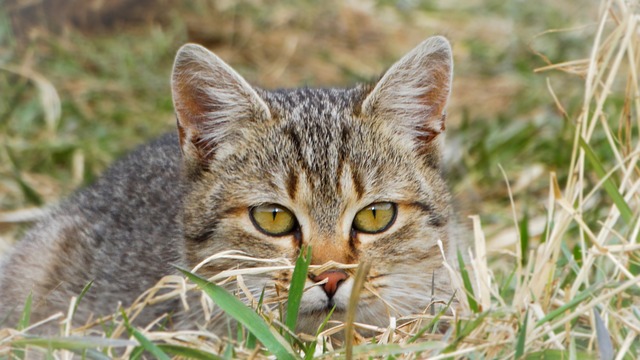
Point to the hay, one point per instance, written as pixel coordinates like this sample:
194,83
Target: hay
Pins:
558,302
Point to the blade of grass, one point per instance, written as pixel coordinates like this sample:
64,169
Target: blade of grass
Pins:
82,294
505,289
25,318
467,284
144,342
325,321
380,351
85,353
522,337
572,349
298,281
569,305
23,323
468,327
433,321
605,347
251,339
524,237
608,184
188,353
350,317
136,353
92,354
310,349
553,354
273,341
72,342
228,352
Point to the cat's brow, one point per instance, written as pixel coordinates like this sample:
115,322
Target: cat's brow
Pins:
207,233
435,219
209,228
292,185
357,182
422,206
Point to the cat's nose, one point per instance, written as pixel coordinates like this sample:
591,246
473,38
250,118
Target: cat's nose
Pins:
334,279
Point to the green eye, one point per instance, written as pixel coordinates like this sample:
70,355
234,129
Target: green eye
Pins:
375,218
273,219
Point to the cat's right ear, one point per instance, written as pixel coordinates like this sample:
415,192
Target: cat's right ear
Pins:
412,95
211,101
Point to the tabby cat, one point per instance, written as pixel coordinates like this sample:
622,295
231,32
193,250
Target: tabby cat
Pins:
354,173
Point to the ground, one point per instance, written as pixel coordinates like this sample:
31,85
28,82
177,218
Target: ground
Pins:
84,82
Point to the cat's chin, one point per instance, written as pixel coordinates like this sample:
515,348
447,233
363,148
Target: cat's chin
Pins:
315,307
324,311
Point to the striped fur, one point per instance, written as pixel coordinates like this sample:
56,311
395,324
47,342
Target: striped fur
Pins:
322,153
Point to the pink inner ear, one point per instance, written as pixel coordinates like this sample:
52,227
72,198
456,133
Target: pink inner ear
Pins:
189,102
189,108
428,133
436,100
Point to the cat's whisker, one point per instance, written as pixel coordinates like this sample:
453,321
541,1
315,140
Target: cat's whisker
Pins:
239,255
372,315
377,295
248,271
330,265
377,276
247,293
220,255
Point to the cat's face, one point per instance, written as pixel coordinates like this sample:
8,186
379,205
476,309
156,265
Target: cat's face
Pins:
350,173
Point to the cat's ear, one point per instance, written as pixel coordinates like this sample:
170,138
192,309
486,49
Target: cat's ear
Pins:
211,101
411,96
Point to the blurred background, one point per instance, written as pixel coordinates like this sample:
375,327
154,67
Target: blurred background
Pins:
84,81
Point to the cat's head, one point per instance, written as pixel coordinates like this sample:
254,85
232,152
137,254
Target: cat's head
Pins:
354,173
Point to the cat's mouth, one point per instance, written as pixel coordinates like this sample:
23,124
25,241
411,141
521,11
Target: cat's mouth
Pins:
326,307
336,307
318,302
323,311
333,306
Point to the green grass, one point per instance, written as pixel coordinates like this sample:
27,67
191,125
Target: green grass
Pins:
298,281
559,282
272,340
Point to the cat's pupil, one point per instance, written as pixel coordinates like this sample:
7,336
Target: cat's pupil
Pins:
273,219
375,218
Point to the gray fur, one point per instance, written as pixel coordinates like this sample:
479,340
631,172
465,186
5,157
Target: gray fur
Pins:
322,153
123,233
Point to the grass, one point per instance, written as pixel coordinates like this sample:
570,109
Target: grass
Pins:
544,134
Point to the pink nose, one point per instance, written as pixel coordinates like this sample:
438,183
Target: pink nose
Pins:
334,279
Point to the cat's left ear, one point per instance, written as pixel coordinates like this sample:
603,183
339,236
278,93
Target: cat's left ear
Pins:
411,96
213,103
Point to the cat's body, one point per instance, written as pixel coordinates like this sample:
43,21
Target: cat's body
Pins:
355,173
89,236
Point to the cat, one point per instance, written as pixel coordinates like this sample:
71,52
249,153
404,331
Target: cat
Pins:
355,173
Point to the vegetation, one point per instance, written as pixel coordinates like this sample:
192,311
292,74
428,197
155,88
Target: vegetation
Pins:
544,149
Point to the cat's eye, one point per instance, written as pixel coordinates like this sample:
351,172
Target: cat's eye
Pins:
273,219
375,218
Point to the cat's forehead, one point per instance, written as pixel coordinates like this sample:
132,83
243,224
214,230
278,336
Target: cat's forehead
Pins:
317,103
317,127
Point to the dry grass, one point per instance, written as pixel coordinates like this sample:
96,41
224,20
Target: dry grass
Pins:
574,294
605,271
